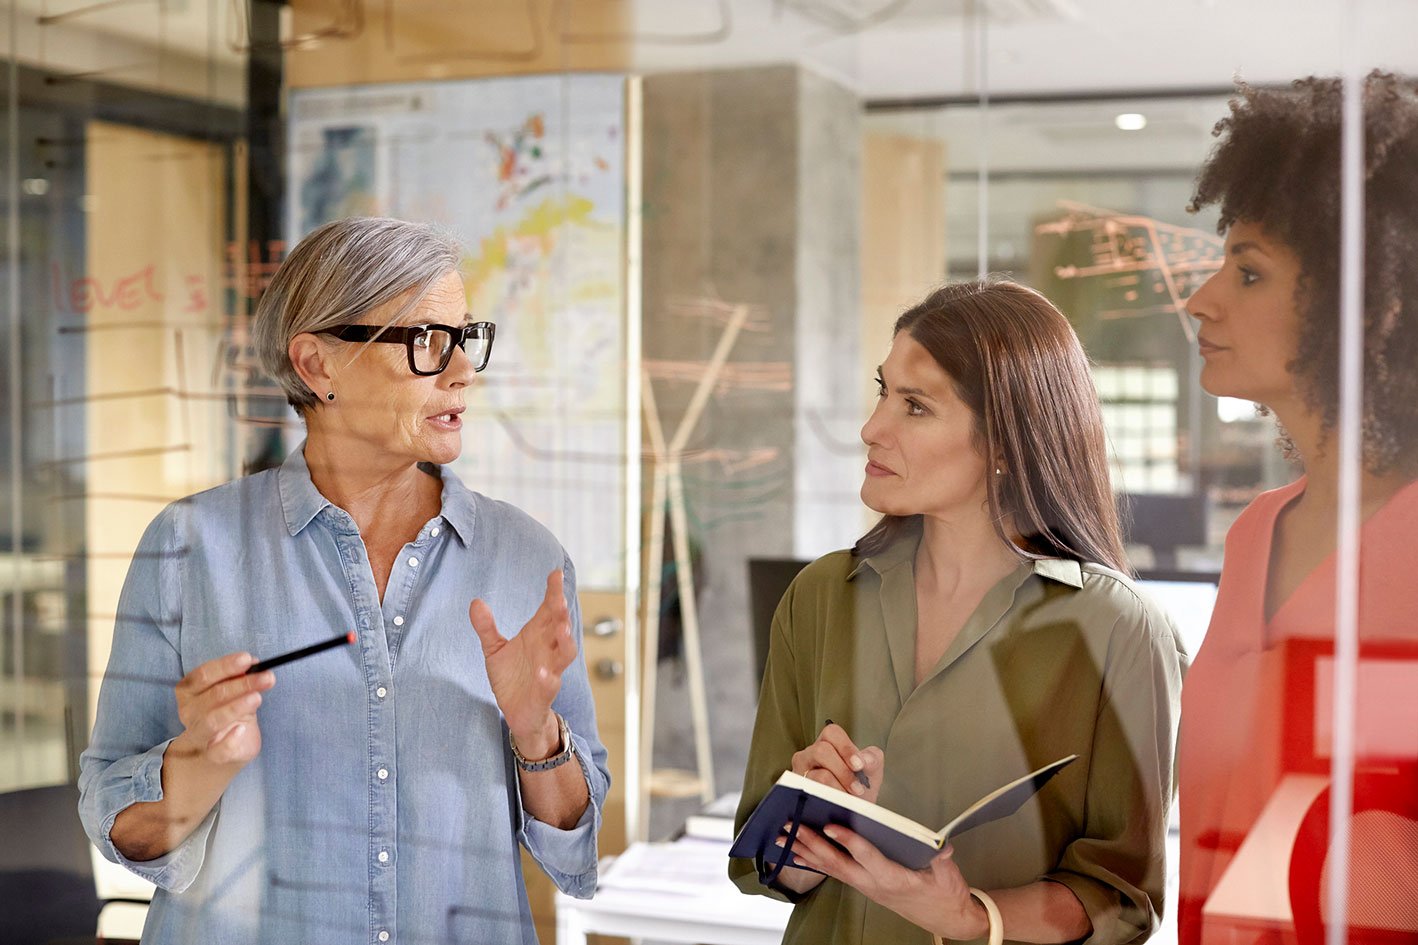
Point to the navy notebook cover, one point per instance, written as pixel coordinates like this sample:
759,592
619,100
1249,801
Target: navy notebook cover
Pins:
899,838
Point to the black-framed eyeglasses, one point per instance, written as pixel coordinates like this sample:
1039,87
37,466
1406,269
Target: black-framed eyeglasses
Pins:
430,347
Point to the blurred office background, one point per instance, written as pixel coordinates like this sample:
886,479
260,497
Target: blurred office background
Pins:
693,221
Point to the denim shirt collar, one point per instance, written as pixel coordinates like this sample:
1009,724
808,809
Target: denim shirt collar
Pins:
301,501
459,504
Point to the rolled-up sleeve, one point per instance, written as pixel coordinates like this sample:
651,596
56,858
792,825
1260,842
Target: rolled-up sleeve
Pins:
568,857
137,709
777,733
1117,865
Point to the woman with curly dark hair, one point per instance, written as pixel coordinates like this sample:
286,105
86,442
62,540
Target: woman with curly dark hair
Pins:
1269,332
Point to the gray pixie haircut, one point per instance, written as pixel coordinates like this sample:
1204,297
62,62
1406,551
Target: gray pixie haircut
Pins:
339,274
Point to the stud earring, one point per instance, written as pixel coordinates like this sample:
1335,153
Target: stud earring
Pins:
330,396
998,471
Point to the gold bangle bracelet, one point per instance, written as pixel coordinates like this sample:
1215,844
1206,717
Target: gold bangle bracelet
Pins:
992,911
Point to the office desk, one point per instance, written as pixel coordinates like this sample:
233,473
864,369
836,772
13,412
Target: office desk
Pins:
672,892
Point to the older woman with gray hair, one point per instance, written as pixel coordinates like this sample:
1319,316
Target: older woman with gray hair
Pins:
373,792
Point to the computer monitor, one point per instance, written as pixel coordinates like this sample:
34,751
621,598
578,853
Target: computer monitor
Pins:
1187,596
768,580
1164,522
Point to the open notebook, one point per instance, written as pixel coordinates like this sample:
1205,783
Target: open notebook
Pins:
813,804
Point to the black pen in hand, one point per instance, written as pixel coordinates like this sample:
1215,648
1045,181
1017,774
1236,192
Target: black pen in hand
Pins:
862,778
301,653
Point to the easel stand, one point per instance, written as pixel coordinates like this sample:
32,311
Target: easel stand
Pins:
667,487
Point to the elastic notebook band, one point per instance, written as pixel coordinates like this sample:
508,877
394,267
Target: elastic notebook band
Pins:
770,877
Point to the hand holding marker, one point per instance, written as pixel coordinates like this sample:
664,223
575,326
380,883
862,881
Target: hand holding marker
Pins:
301,653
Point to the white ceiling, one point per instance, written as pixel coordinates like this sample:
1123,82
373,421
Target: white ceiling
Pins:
1067,136
927,48
882,49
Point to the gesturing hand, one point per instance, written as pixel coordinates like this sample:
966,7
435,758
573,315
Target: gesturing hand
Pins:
217,704
525,671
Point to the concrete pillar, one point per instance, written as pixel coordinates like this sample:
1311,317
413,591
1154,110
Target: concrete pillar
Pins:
751,195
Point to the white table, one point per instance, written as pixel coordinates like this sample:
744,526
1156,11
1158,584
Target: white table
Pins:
119,920
672,892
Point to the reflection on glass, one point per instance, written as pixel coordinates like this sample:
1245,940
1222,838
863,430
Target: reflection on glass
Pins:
1257,740
813,162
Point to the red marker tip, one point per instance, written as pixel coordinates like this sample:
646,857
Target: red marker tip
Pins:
350,636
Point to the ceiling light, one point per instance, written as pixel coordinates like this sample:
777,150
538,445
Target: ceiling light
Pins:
1130,121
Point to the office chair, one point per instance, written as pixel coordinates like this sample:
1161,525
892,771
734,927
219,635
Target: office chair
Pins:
47,891
1394,791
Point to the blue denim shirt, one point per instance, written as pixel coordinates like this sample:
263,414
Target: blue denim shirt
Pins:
384,805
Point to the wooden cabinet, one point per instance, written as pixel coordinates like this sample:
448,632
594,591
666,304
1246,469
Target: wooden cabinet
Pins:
606,631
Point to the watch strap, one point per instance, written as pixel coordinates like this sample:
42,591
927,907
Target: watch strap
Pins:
546,764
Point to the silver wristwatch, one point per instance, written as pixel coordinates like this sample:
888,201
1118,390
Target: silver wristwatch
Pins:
546,764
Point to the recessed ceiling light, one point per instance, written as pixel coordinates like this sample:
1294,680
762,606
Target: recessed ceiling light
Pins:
1130,121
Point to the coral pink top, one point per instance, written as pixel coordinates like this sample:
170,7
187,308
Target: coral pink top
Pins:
1241,702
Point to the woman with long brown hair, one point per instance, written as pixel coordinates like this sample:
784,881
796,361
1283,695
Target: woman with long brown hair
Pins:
983,628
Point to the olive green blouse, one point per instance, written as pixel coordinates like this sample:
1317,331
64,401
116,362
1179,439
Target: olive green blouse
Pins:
1059,658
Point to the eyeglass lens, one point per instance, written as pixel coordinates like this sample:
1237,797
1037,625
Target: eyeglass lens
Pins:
433,348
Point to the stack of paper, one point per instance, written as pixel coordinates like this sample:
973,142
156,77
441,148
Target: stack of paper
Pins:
687,878
715,821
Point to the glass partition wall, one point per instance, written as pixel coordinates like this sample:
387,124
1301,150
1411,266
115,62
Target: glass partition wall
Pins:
126,272
695,223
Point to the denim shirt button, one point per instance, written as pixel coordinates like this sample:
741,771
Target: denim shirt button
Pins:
399,621
413,562
381,692
433,533
382,773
